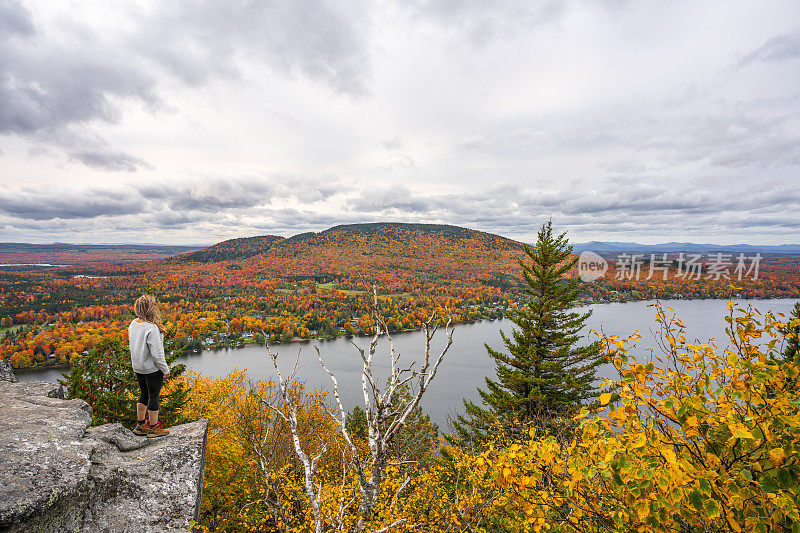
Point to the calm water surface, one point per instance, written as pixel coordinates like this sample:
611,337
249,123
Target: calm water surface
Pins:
466,363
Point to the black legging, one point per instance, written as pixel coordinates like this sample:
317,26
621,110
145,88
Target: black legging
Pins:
150,387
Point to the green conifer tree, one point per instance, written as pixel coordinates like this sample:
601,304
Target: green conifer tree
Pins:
545,374
792,348
106,381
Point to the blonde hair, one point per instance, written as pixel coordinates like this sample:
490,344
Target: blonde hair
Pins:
146,308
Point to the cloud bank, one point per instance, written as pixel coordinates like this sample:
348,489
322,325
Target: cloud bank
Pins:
180,122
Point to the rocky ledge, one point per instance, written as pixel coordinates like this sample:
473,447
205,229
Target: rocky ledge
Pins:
6,372
59,474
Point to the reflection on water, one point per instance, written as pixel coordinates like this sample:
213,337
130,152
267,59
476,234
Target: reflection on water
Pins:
466,364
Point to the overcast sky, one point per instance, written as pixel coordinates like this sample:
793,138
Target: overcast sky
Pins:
184,122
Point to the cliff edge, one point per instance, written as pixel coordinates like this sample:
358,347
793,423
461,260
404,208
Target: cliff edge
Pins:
59,474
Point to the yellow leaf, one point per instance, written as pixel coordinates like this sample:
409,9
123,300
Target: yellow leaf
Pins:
712,508
669,455
777,457
590,430
605,398
642,508
740,431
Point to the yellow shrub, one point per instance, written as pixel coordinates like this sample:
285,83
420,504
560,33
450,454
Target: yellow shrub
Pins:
699,439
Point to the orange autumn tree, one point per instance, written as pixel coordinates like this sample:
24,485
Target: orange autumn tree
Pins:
254,483
699,439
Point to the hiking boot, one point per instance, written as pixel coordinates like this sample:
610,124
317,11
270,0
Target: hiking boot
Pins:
157,431
142,429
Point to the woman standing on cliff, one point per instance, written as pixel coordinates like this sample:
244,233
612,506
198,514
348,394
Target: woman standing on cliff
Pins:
145,336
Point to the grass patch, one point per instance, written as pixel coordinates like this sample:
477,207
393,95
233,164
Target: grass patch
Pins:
330,287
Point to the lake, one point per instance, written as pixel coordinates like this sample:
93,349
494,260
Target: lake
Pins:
466,363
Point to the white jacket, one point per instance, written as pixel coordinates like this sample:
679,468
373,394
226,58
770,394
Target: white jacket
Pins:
147,348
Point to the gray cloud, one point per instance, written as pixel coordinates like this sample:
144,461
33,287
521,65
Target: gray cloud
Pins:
171,203
46,86
394,198
230,208
68,203
55,83
15,19
315,38
479,24
210,195
513,138
51,88
293,220
508,208
308,190
110,160
169,220
165,202
779,48
172,219
731,135
393,143
428,110
399,160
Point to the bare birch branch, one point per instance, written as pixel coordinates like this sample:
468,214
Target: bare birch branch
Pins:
387,412
308,465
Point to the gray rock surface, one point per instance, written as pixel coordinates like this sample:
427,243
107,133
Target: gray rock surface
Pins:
6,372
59,474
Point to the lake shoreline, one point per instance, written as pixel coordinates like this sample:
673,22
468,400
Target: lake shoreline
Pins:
467,363
41,368
327,338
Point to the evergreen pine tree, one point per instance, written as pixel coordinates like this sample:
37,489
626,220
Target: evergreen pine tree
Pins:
106,381
792,348
545,374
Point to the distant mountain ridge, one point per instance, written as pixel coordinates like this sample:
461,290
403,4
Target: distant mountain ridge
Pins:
15,253
674,247
26,247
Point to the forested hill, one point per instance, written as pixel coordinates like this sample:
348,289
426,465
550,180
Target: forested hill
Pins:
233,249
400,230
386,251
380,238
